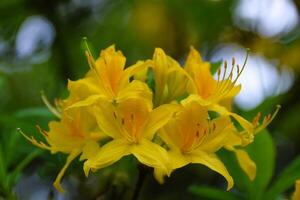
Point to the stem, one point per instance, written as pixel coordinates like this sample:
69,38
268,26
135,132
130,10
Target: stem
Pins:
143,171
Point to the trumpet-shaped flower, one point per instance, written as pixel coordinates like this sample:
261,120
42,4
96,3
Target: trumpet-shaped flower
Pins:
222,90
132,125
71,136
194,138
107,79
170,78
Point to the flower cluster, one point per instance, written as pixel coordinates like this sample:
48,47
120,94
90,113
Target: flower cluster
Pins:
164,114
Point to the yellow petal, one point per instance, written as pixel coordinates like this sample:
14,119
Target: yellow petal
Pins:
105,114
248,127
177,159
90,149
296,195
248,166
107,155
200,73
89,101
160,72
158,118
216,139
159,175
60,175
142,75
135,89
152,155
109,67
83,88
139,69
214,163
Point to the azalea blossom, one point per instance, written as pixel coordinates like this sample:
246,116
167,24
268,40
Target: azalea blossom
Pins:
185,118
195,138
131,124
70,136
107,79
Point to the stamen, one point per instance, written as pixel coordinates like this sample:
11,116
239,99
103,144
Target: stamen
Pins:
219,73
49,106
33,141
44,133
225,69
268,119
237,69
223,89
256,119
86,45
122,121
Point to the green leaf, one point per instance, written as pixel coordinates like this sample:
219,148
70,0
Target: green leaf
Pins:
241,181
150,80
14,175
37,111
215,66
262,152
285,180
205,192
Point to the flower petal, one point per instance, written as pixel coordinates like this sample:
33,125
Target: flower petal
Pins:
89,101
152,155
248,127
158,118
135,89
216,139
214,163
89,150
296,195
105,114
247,165
107,155
178,160
139,67
60,175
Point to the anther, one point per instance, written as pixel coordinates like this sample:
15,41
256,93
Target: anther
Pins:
233,61
115,115
219,73
237,69
122,121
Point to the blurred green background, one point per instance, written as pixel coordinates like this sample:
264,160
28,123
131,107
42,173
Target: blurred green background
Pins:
41,48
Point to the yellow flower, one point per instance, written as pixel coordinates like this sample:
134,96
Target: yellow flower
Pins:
132,125
107,79
173,82
296,195
71,136
194,138
234,142
220,91
170,78
218,94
